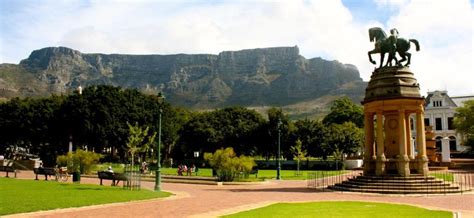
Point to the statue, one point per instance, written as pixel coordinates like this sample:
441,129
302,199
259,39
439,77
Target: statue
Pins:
391,45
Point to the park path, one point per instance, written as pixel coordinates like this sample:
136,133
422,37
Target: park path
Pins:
211,200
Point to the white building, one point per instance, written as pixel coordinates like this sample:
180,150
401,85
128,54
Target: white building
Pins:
439,113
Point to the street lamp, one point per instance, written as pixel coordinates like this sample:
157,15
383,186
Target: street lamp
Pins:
279,155
161,98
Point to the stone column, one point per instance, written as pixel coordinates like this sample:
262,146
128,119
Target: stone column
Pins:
380,162
408,136
369,151
445,150
422,160
403,163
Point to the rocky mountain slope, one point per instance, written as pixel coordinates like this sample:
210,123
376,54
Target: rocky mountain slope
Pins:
254,77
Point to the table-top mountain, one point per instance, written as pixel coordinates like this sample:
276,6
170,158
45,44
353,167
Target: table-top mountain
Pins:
254,77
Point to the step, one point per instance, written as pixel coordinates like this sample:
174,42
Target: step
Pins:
397,181
444,187
413,184
396,191
411,177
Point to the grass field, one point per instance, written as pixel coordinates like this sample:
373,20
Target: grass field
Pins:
19,196
447,177
342,209
262,174
207,172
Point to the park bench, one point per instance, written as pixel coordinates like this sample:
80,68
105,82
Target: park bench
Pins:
254,171
115,177
46,171
8,169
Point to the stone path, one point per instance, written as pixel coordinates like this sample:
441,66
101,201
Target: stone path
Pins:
212,201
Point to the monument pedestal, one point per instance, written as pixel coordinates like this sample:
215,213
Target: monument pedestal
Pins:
391,97
380,165
403,165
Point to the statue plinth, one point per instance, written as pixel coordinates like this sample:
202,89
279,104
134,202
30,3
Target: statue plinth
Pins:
391,97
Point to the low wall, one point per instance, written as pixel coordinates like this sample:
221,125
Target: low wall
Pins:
353,164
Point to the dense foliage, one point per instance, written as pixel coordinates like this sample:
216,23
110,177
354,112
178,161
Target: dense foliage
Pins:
98,120
464,122
228,165
78,161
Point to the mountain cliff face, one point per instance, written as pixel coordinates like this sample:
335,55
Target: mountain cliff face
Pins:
254,77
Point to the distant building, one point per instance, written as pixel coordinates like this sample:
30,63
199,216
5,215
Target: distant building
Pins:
439,113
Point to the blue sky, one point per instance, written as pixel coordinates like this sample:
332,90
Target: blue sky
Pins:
331,29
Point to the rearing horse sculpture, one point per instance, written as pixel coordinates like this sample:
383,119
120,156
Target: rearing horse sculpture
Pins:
390,45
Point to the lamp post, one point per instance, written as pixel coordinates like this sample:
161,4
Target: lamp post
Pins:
158,150
279,155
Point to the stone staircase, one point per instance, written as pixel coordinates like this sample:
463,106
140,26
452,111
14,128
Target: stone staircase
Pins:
414,184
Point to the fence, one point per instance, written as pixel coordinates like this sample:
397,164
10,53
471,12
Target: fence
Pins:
134,178
435,183
322,179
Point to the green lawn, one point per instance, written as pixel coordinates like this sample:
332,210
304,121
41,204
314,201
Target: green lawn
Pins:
448,177
342,209
19,196
262,174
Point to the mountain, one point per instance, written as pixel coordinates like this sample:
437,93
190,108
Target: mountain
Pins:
261,77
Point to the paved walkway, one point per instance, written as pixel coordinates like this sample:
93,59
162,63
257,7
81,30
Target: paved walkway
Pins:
212,201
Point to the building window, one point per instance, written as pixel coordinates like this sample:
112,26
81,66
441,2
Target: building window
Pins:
438,144
427,121
438,124
450,123
437,103
452,143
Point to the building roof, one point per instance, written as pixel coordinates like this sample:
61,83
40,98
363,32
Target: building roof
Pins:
459,100
455,101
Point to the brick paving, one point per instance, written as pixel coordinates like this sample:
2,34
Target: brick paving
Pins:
211,201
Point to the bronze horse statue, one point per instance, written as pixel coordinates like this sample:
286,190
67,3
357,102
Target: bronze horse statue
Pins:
390,45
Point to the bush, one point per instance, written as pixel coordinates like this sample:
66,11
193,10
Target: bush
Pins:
227,165
78,161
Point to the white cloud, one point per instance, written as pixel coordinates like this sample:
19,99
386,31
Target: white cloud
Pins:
320,28
444,30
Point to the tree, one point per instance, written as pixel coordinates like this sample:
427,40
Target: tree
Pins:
139,140
298,153
464,122
344,110
79,161
227,165
276,115
233,126
311,133
344,138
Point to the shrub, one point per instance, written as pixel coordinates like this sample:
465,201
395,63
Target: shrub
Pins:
78,161
227,165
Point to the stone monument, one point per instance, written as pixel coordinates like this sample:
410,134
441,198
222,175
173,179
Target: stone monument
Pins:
392,95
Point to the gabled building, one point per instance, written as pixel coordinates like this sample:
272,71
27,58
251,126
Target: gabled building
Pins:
439,113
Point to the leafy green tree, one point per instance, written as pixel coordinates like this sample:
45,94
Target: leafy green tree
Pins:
464,122
299,154
227,165
344,138
139,140
234,126
311,133
78,161
344,110
269,149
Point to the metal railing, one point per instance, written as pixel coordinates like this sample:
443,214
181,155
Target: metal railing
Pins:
134,178
437,182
